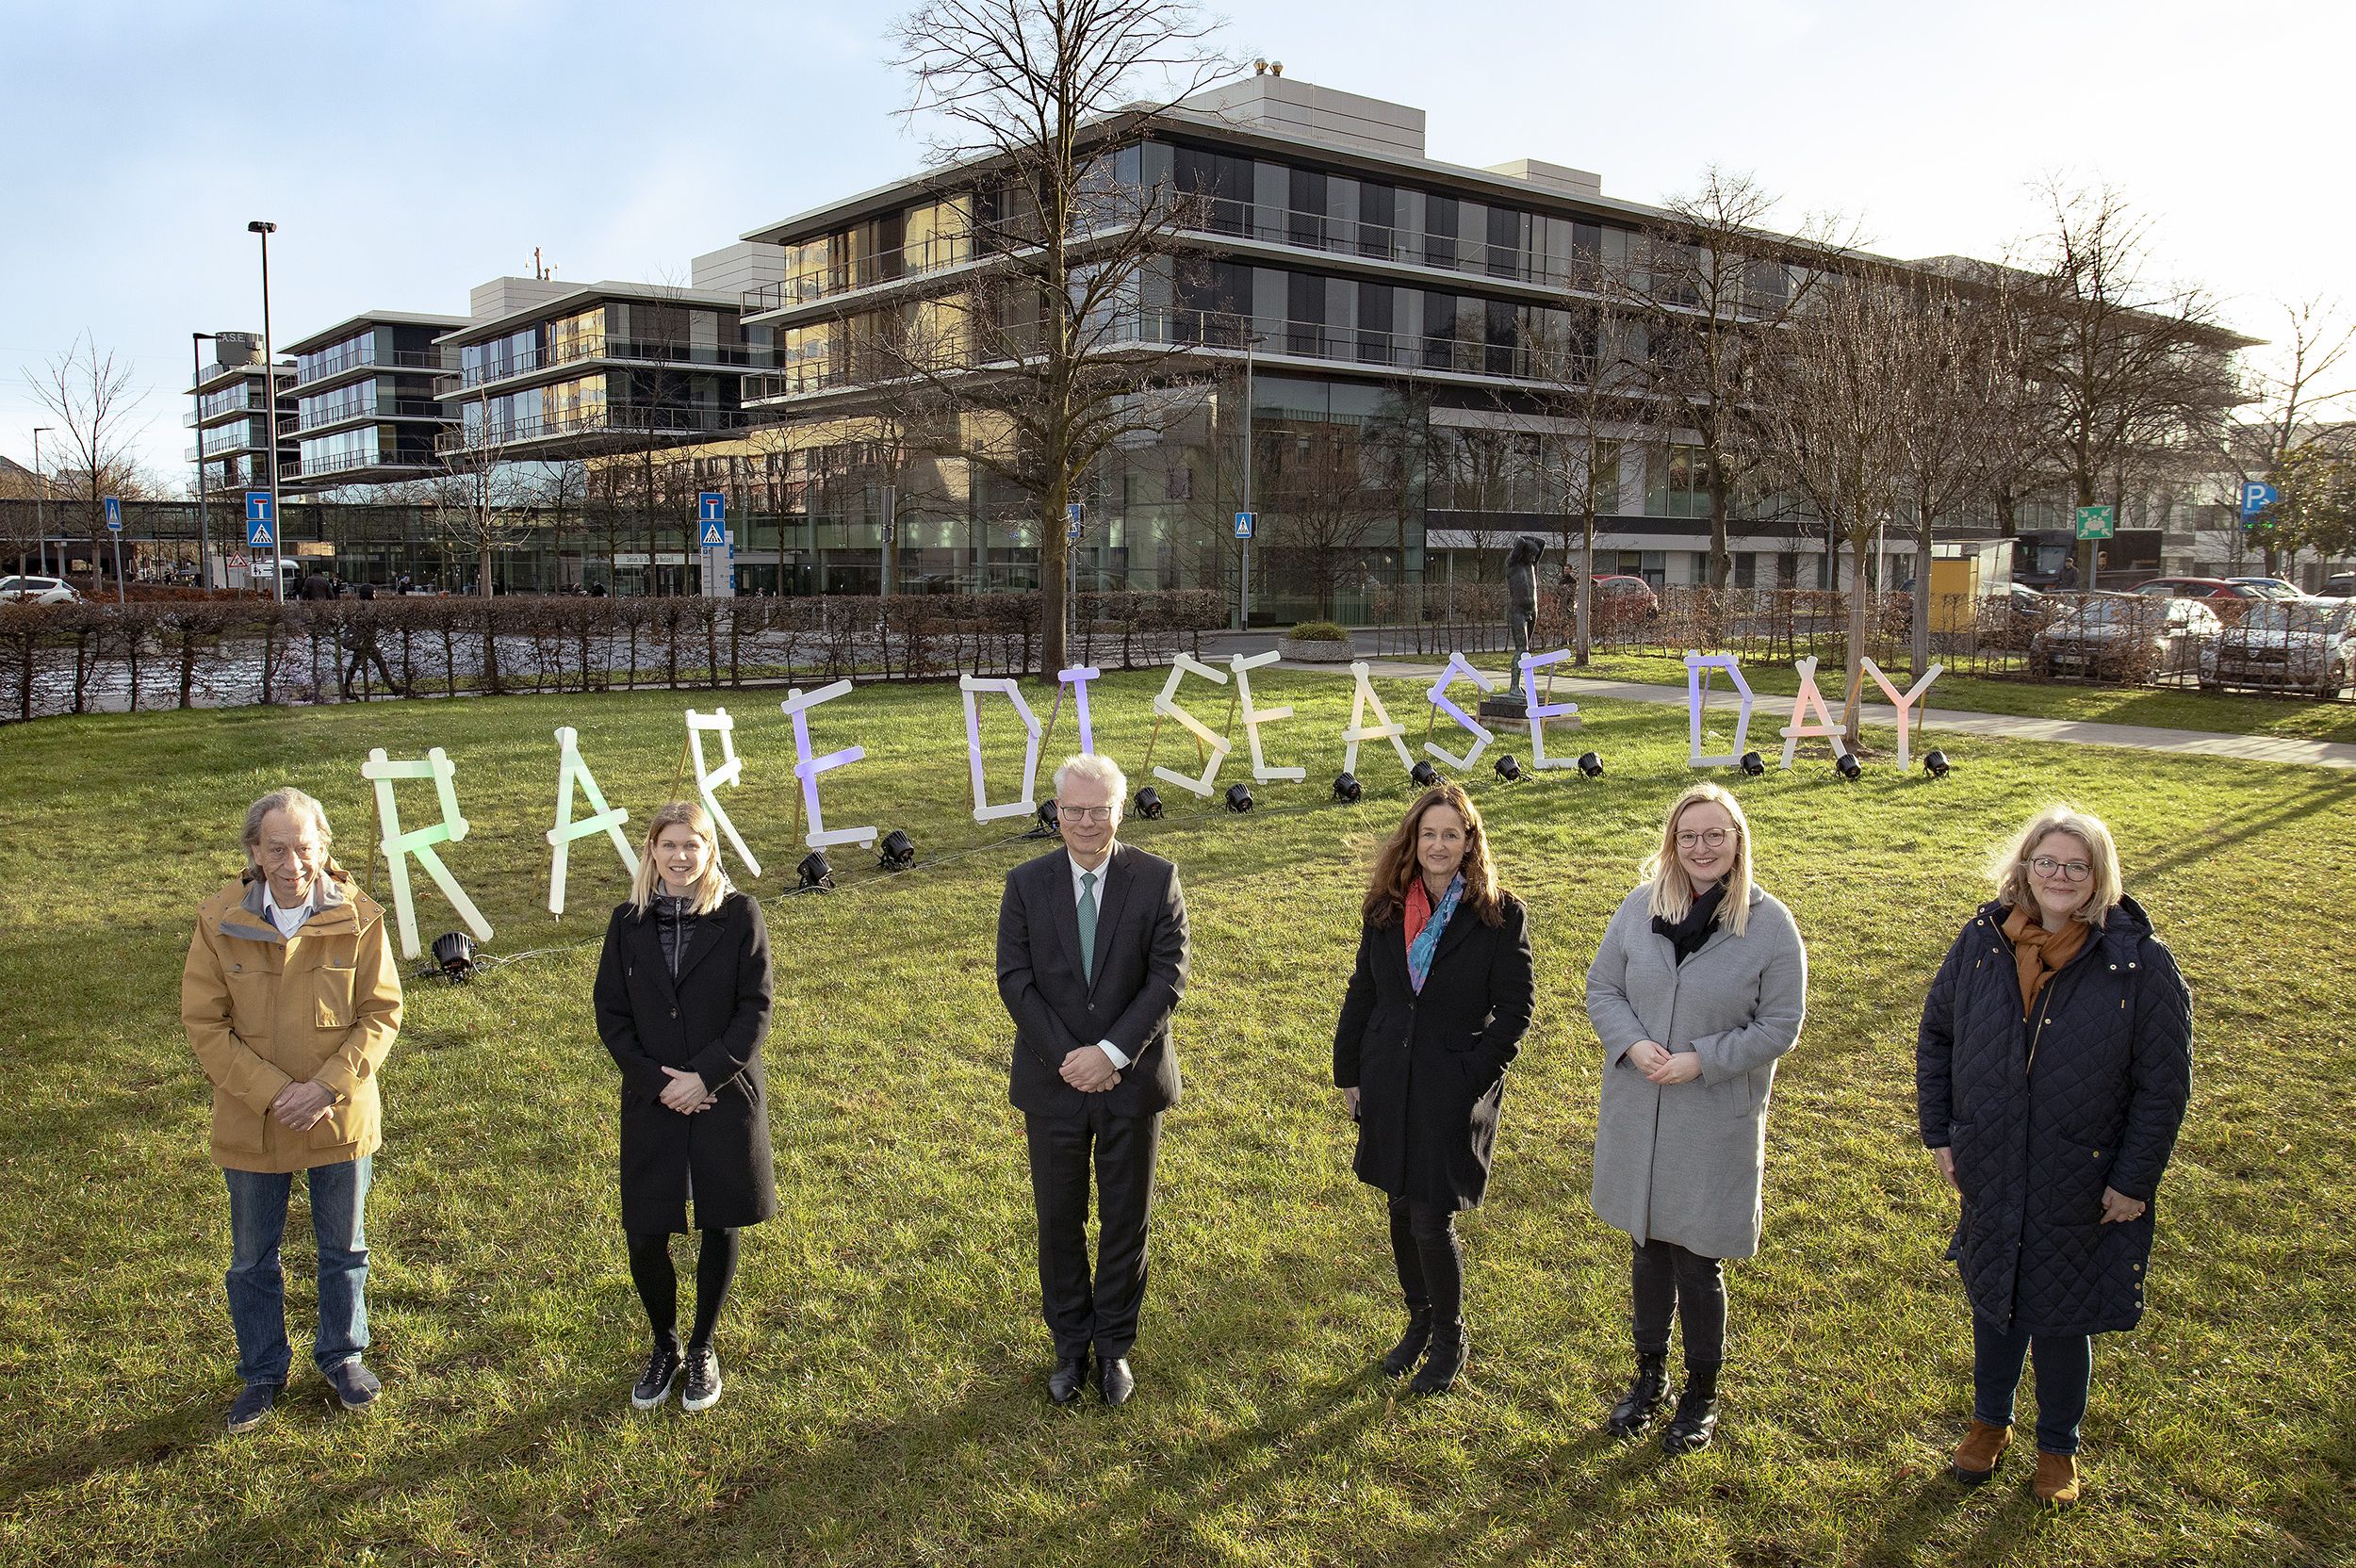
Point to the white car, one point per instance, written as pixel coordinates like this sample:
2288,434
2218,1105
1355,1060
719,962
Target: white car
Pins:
2124,637
38,590
2304,646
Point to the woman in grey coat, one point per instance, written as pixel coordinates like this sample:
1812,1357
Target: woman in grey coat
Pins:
1699,986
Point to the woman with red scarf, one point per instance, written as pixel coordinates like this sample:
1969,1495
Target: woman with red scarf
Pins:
1435,1011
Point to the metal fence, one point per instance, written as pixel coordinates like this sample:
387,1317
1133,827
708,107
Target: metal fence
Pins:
87,658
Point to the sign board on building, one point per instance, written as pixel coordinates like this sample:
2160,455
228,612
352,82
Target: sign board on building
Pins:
670,558
315,547
2094,522
632,558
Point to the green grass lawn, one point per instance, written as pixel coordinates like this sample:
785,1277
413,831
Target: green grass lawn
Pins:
2161,706
883,1358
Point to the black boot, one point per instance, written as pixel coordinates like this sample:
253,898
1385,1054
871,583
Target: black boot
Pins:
1409,1349
1696,1417
1450,1348
1635,1411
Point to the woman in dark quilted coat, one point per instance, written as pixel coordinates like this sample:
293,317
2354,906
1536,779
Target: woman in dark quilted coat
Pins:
2051,1072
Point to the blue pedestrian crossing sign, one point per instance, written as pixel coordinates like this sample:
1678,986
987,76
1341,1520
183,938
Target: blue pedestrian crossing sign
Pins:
715,534
2256,496
261,520
1243,524
114,514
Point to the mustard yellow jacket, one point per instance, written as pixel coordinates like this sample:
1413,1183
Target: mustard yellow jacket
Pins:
263,1011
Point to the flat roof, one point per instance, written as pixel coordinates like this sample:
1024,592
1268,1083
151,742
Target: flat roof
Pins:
366,318
470,330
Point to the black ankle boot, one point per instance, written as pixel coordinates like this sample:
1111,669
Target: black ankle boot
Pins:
1696,1417
1410,1347
1451,1347
1635,1411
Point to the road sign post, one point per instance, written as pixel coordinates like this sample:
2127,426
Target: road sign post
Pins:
711,536
114,532
1246,522
2095,524
261,532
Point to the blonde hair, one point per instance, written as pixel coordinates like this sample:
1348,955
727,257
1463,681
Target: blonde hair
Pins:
1097,768
710,889
1673,889
2010,868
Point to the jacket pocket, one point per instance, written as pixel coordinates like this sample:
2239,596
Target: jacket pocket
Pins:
235,1130
333,996
1959,1148
2077,1194
250,993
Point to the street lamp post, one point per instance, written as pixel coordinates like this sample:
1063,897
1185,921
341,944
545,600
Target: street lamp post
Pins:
203,519
270,418
41,495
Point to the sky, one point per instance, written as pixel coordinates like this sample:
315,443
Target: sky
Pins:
410,151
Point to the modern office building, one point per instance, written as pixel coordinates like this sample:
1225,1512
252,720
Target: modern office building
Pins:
240,407
367,406
547,369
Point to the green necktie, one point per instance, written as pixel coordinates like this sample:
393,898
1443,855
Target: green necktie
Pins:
1087,926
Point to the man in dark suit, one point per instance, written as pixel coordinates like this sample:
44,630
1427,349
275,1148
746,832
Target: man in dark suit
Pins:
1091,961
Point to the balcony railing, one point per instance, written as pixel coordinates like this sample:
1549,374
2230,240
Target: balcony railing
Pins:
380,408
339,461
636,349
353,358
1204,329
602,421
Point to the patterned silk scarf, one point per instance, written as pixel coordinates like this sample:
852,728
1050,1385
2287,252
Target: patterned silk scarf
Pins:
1424,930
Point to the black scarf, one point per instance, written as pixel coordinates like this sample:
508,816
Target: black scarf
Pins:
1688,935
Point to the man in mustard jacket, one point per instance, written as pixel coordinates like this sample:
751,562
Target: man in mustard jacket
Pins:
291,1000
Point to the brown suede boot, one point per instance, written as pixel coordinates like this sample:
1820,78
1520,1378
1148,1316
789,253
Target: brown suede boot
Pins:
1982,1447
2056,1477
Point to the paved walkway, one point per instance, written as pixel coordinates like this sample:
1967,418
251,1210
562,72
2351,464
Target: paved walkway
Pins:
2010,726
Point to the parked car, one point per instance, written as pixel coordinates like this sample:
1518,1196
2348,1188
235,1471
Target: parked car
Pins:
2269,587
2014,613
2308,646
39,590
2198,588
1625,597
2340,587
2126,637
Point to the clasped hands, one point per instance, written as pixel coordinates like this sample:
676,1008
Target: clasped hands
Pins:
686,1094
1663,1066
1090,1071
2118,1208
299,1106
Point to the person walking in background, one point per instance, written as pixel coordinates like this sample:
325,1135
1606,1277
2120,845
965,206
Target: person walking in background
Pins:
1434,1013
682,998
291,1002
1092,959
2051,1072
1698,988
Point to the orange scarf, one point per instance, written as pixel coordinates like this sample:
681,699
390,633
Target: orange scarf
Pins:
2039,954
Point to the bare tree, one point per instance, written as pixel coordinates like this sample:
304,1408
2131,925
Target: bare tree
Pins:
558,491
1044,353
1829,407
89,392
2133,370
1323,504
481,502
1719,285
1960,381
2296,390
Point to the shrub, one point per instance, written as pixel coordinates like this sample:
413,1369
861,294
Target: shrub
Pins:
1320,631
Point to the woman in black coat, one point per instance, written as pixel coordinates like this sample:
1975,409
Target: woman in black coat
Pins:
1435,1010
683,1003
2052,1071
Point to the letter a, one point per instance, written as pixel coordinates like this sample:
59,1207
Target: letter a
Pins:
573,772
1388,729
1800,728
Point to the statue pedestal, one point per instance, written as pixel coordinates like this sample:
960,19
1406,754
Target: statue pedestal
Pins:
1510,712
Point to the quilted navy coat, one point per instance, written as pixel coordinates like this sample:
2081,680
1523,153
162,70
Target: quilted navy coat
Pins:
2042,1114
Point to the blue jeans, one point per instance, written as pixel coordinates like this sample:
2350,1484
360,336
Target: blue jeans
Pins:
257,1286
2065,1374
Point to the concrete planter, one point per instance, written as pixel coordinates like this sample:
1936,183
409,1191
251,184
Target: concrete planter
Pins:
1315,653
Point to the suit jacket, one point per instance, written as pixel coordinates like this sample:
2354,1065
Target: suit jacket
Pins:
1140,969
713,1021
1430,1067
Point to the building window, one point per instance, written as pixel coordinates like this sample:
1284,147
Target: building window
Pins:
1745,569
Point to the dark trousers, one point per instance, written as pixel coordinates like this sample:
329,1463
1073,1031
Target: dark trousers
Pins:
2065,1375
650,1270
1431,1260
1102,1312
1666,1279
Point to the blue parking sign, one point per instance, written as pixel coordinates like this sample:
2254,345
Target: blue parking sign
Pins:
2256,496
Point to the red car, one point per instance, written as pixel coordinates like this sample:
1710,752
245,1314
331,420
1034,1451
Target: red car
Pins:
2201,588
1625,597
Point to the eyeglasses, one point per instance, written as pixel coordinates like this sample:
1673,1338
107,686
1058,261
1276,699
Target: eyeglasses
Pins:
1709,838
1088,814
2069,871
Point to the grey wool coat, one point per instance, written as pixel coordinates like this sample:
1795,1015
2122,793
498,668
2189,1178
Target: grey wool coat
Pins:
1682,1162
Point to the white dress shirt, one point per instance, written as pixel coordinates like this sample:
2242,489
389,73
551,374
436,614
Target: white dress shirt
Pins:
1119,1057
